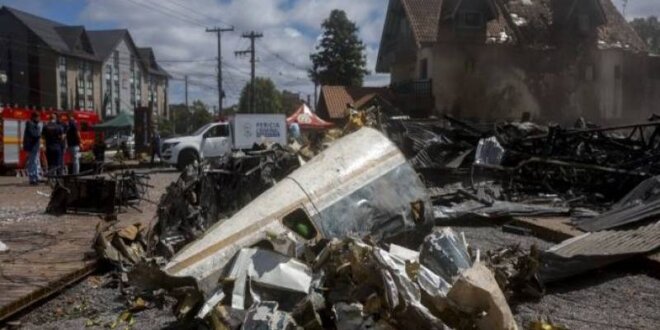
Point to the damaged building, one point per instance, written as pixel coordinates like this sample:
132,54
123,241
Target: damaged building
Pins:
488,60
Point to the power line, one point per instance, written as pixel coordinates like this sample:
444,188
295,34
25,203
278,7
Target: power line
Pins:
252,36
221,92
194,11
178,16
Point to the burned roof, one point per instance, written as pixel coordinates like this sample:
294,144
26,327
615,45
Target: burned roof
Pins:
533,23
618,33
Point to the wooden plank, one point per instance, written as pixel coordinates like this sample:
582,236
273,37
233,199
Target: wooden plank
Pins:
560,228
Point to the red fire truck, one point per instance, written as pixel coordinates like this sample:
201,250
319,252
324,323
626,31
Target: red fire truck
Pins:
12,126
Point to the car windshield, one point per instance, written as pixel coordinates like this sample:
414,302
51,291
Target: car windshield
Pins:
201,129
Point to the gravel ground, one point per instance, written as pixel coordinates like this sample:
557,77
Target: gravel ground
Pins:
621,297
91,305
87,304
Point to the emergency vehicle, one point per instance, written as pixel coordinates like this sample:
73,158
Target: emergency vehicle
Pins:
12,127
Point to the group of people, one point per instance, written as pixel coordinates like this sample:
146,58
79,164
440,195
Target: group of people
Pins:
58,137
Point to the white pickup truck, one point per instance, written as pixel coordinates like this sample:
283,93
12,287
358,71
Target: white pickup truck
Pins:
219,139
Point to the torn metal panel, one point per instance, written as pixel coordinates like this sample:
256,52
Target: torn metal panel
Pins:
266,316
362,184
640,204
498,209
595,250
489,152
445,254
269,275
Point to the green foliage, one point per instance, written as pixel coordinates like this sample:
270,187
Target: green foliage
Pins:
200,115
649,30
340,58
267,98
186,121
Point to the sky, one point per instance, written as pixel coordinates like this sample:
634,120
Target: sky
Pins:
291,28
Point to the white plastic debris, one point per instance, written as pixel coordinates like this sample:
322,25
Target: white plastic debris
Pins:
3,247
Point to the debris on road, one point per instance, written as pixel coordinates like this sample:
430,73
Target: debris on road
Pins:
334,194
595,250
103,194
642,203
3,247
205,194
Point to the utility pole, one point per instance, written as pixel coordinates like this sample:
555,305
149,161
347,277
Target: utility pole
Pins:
252,36
186,80
221,92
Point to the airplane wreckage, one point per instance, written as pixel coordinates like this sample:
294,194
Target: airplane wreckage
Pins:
344,241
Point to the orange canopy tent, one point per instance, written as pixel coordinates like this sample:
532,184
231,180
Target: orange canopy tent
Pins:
308,120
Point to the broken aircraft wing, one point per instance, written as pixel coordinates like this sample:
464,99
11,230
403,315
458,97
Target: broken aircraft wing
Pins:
362,184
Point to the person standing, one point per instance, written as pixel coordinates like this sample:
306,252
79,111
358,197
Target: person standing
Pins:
73,143
54,137
65,128
31,145
155,147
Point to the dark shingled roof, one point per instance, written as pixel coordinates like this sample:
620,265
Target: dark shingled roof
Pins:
55,35
70,34
105,41
149,60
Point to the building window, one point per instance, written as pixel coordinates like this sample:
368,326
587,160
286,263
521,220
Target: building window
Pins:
138,88
64,86
617,72
115,77
133,83
424,69
471,20
108,93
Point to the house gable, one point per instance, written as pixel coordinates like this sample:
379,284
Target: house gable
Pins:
409,24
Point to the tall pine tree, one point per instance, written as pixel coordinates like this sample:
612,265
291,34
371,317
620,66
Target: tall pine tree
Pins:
340,58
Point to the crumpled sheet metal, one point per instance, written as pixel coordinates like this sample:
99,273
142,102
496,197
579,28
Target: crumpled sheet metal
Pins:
594,250
489,152
445,254
266,316
362,184
498,209
269,270
640,204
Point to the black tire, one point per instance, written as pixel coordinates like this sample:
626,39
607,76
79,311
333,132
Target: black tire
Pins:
186,158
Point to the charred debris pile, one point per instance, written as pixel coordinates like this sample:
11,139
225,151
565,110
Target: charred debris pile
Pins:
358,237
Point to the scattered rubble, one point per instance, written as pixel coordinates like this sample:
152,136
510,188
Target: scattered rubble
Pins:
336,242
103,194
204,194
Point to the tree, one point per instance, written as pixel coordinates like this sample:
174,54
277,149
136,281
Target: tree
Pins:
267,98
649,30
186,120
199,115
340,58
